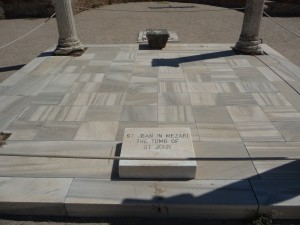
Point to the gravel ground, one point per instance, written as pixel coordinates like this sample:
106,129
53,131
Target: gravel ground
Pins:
121,24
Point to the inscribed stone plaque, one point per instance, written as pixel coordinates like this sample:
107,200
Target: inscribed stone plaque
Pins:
159,144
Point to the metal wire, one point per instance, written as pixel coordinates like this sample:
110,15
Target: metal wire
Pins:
39,26
297,35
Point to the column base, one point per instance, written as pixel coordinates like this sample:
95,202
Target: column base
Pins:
249,47
69,46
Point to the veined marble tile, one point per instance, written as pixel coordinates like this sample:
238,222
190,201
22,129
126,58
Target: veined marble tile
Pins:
97,131
12,111
192,126
240,63
260,87
120,76
175,114
206,99
57,131
126,55
18,166
278,198
79,99
271,99
212,114
249,74
225,77
291,95
283,72
23,130
7,101
83,87
289,130
109,99
171,77
96,67
61,148
24,71
133,124
170,69
34,196
113,86
220,149
144,68
268,73
145,113
70,69
143,87
230,87
30,86
174,99
53,113
198,77
103,113
141,99
246,113
55,88
273,149
207,87
129,198
278,169
66,79
258,131
281,113
238,99
225,170
144,77
53,65
121,67
218,132
164,87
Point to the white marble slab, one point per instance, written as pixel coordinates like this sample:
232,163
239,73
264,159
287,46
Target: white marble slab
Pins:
279,198
157,144
34,196
202,199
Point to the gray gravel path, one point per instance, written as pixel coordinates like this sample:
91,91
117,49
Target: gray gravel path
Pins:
121,24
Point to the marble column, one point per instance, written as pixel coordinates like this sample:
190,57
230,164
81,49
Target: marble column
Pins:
249,42
68,41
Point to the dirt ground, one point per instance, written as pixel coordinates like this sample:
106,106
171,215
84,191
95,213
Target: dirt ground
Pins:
121,24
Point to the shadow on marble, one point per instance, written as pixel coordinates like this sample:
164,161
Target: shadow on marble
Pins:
175,62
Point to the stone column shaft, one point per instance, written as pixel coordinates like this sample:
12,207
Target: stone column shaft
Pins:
68,41
249,42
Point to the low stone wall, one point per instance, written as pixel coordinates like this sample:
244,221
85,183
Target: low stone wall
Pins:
44,8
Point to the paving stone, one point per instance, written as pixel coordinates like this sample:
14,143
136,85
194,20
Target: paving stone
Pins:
206,99
174,99
258,131
146,113
198,76
211,114
113,86
108,99
117,76
164,198
281,113
43,196
247,113
178,87
175,114
218,132
263,87
141,99
279,198
207,87
57,131
289,130
230,87
18,166
238,99
97,131
143,87
103,113
270,99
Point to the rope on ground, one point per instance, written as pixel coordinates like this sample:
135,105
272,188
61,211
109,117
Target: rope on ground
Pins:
297,35
39,26
169,11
